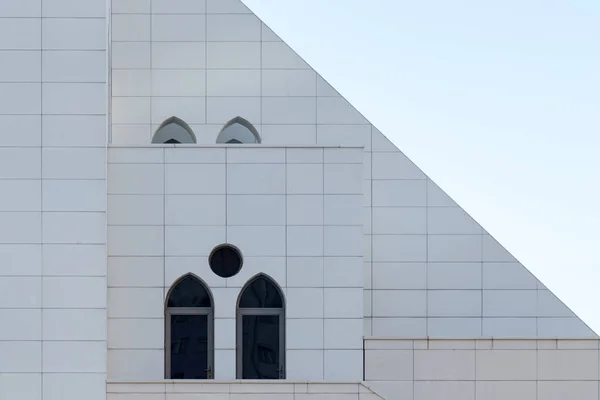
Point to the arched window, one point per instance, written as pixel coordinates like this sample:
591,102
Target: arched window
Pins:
189,330
238,131
174,130
261,330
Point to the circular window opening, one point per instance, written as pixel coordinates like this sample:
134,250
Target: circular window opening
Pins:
225,261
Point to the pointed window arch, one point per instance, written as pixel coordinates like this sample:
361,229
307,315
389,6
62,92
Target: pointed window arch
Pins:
261,330
189,339
238,131
174,130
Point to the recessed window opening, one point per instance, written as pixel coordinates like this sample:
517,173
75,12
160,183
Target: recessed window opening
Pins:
189,342
174,130
225,260
238,131
261,330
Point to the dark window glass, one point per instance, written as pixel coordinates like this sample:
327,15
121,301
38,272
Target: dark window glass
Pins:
189,292
172,141
261,347
234,141
189,347
225,261
261,293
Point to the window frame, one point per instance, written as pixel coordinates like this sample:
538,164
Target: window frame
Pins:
210,335
241,312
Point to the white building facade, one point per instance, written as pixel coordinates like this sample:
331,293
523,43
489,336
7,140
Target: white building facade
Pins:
190,211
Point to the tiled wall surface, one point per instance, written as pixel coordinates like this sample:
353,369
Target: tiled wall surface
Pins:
483,369
53,97
293,212
430,269
240,391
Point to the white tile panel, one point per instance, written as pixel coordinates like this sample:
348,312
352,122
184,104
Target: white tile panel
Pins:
436,197
226,7
510,303
404,248
304,241
341,334
20,66
304,272
507,276
28,126
20,98
73,8
21,259
131,27
399,220
343,272
241,155
233,28
29,386
343,302
178,28
493,251
20,33
130,334
74,195
74,386
399,303
343,241
288,110
189,109
454,327
551,306
136,364
258,241
133,55
21,9
343,209
510,327
74,130
563,328
131,110
454,248
195,209
304,303
233,82
195,179
73,325
256,210
289,82
337,110
454,303
135,241
235,55
304,334
131,82
396,193
192,240
256,179
74,292
304,178
74,33
451,220
21,324
397,276
20,357
22,227
74,260
74,66
83,357
20,195
135,303
447,365
135,179
454,276
304,365
177,55
278,55
136,272
195,156
73,163
343,178
343,365
131,6
220,110
304,209
74,227
178,6
425,390
135,210
74,98
400,327
348,135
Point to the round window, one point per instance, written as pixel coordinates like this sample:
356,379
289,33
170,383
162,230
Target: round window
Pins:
225,260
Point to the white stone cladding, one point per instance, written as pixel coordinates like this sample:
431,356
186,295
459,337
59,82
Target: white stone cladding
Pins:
360,240
293,214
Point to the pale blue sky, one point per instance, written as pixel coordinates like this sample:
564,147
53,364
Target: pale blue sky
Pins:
497,101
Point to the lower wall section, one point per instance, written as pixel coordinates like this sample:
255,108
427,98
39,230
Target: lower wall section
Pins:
483,369
238,390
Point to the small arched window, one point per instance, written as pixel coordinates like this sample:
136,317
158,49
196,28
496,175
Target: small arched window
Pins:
261,330
238,131
174,130
189,330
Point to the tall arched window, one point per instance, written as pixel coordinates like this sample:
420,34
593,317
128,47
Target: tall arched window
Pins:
261,330
174,130
189,330
238,131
